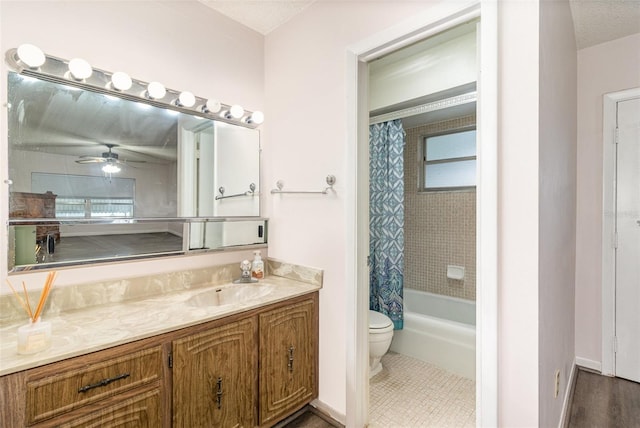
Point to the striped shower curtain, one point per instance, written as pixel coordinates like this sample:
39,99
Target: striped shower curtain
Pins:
386,219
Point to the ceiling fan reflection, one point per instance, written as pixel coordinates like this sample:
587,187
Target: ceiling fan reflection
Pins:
109,158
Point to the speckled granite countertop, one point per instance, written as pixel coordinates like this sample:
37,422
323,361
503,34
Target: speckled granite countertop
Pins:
82,331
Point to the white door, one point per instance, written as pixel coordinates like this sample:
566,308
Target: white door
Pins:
627,256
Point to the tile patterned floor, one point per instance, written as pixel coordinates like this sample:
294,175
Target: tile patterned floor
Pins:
411,393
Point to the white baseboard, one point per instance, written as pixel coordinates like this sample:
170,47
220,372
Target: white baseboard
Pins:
568,393
329,411
589,364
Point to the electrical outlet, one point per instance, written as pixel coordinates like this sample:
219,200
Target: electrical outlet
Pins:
556,389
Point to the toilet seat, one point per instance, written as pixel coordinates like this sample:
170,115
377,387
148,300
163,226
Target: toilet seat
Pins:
380,336
378,321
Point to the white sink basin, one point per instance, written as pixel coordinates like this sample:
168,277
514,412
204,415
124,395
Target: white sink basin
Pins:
230,295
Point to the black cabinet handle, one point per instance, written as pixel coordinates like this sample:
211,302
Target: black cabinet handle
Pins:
103,382
290,363
219,393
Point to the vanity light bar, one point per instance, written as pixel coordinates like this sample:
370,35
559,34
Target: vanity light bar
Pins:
29,60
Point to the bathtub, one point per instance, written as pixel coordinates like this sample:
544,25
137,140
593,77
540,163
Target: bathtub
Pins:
439,330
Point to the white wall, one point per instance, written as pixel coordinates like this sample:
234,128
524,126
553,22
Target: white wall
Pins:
537,146
434,65
557,209
518,199
305,139
604,68
185,45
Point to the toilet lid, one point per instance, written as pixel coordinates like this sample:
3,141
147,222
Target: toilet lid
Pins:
378,320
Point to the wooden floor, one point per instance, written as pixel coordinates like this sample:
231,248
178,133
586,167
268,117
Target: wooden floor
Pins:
603,401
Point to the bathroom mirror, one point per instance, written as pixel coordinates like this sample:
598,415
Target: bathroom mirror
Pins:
84,163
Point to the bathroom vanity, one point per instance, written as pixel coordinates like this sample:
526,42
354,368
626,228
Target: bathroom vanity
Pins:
251,362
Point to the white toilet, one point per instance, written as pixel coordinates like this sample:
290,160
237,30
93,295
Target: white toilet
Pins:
380,335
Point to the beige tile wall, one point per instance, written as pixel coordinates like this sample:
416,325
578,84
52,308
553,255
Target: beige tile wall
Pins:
440,227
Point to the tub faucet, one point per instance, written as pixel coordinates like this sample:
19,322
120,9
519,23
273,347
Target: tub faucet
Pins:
245,278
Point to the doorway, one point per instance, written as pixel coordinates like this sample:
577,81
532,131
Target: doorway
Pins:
358,57
621,235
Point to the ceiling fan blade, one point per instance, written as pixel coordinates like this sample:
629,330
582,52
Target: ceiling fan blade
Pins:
127,161
109,157
126,164
90,159
148,154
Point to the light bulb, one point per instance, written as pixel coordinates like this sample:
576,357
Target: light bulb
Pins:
80,69
156,90
211,106
111,168
236,111
186,99
31,55
256,117
121,81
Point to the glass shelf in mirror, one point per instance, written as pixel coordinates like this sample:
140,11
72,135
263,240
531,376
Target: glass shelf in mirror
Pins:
40,244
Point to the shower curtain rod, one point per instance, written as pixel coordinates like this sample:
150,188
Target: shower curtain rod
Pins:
454,101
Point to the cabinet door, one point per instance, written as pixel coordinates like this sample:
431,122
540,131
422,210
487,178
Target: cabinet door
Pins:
214,377
288,343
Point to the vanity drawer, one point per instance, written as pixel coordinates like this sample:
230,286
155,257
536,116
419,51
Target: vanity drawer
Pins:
54,395
140,409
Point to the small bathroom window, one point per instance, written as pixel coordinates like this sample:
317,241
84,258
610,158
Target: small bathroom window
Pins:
449,161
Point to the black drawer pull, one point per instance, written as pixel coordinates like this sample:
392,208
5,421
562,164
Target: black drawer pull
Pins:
219,393
290,363
103,382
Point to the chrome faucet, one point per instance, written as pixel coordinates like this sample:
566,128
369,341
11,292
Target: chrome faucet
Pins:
245,266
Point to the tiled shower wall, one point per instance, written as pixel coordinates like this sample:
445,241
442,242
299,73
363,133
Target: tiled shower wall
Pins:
440,227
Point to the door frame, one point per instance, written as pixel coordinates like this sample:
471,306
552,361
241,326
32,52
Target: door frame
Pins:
442,16
609,119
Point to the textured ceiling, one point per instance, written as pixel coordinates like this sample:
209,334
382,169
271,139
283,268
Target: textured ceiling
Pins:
262,16
595,21
599,21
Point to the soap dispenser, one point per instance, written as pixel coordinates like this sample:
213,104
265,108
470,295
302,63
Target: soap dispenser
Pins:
257,267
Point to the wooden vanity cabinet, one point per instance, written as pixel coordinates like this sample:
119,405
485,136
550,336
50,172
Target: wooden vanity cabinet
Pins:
250,369
214,377
288,359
